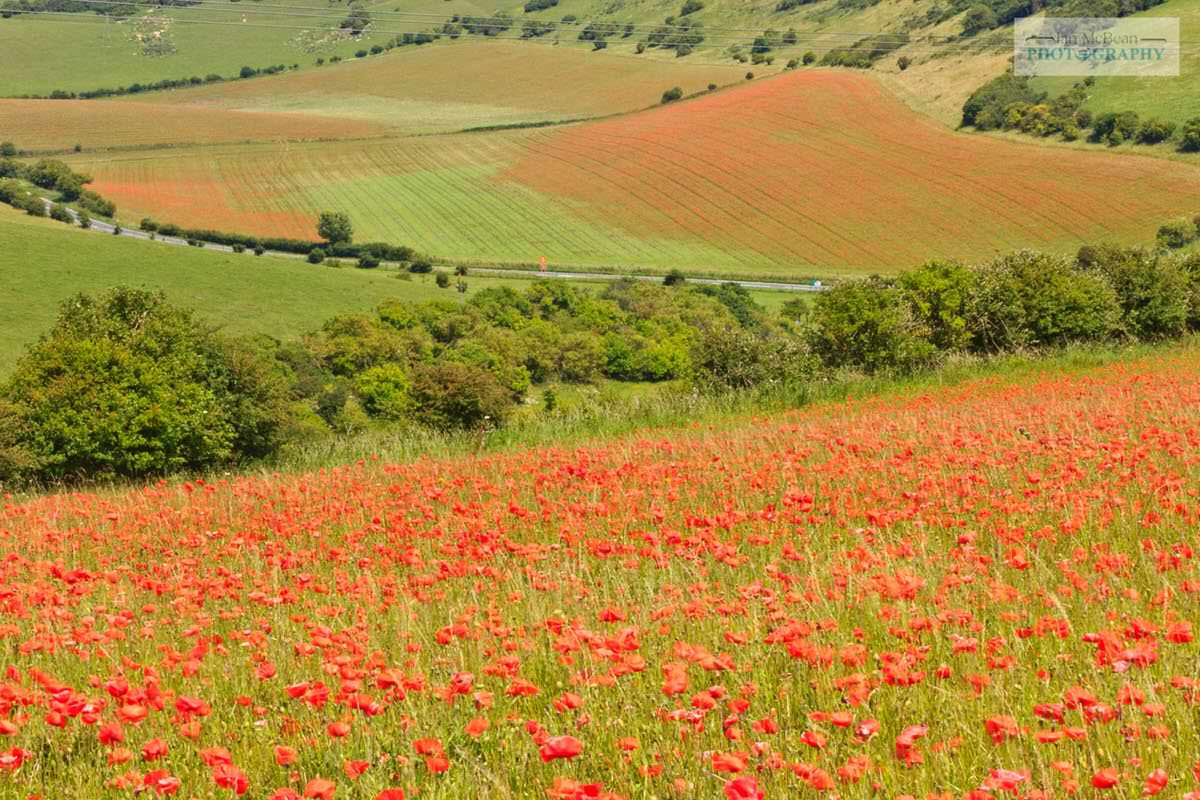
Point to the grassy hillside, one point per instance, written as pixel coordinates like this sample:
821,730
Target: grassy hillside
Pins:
83,51
814,172
45,262
1172,98
62,124
452,86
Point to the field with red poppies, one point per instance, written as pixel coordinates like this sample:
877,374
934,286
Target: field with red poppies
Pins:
809,173
984,591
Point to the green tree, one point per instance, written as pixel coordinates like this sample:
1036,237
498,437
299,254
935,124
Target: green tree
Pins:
127,385
937,292
1152,289
384,391
866,324
335,227
448,396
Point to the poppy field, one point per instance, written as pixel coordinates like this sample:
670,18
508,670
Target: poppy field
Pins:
982,591
809,173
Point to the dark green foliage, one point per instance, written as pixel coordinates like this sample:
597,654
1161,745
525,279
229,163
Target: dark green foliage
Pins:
737,358
1177,233
442,280
539,5
335,227
1114,129
986,106
809,58
485,26
865,52
7,150
1032,299
356,21
691,7
865,324
738,301
316,256
449,395
1189,139
671,95
788,5
1154,131
126,385
977,19
1152,290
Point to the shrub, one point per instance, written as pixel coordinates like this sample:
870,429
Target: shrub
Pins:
675,278
259,250
446,396
691,7
316,256
978,18
1114,129
442,280
384,391
148,225
420,267
367,261
335,227
737,358
1154,131
1189,139
1029,298
903,62
59,213
937,293
8,150
1177,233
127,385
1152,290
809,58
671,95
866,324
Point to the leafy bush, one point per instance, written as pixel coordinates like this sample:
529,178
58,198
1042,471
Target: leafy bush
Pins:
985,108
1152,290
1189,140
385,391
335,227
938,294
865,324
448,396
1033,299
1114,129
671,95
1177,233
127,385
316,256
1153,131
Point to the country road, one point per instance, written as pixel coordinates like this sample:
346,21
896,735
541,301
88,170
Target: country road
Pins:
103,227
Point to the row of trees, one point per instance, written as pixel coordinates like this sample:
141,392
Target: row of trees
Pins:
127,385
1010,102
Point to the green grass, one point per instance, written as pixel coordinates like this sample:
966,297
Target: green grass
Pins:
1170,98
44,262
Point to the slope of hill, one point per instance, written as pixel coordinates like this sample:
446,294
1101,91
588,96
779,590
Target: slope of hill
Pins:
451,86
40,125
45,262
1171,98
813,172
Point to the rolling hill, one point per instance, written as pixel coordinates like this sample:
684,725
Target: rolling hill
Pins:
816,172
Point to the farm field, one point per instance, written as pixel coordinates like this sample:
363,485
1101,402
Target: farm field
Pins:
62,124
809,173
991,585
45,262
452,86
